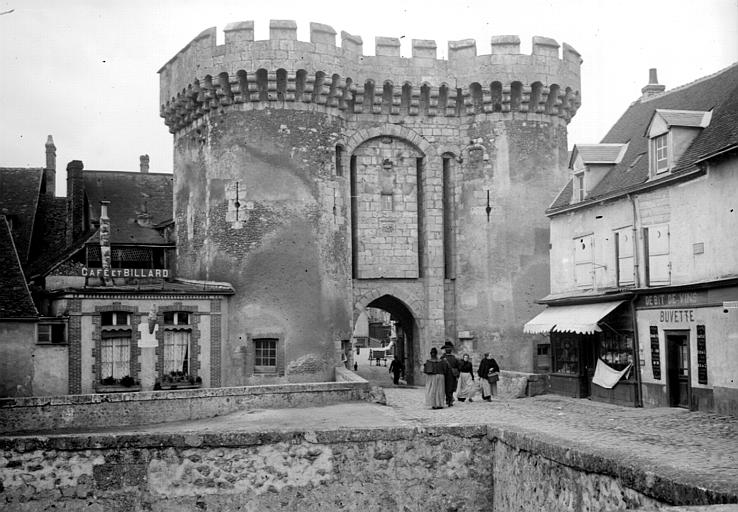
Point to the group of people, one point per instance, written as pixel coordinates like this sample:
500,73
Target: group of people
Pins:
446,375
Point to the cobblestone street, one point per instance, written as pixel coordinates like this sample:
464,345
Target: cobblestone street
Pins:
675,442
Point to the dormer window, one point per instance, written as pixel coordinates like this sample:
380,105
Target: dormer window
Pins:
661,153
670,132
579,190
590,163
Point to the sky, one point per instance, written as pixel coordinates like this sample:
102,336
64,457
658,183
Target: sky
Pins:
85,71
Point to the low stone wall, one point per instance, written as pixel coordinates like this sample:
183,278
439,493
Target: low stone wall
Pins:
522,384
39,414
409,469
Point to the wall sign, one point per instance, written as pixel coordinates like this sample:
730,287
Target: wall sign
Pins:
676,316
154,273
701,355
655,352
674,299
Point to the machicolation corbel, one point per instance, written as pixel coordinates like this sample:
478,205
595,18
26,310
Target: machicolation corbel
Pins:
283,72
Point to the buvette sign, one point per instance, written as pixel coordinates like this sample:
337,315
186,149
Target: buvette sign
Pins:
153,273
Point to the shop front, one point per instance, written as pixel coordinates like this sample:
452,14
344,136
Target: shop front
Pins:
689,340
592,350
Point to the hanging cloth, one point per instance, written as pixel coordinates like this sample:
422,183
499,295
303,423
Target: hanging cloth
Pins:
607,377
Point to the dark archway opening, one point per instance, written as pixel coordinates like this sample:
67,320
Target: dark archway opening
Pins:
404,330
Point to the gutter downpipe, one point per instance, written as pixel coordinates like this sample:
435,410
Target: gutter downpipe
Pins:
636,280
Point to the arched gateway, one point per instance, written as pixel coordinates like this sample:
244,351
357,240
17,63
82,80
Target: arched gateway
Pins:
406,328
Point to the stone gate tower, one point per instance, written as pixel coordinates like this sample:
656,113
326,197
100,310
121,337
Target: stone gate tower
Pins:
320,181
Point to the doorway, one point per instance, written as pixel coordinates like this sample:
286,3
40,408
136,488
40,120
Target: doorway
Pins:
403,340
677,369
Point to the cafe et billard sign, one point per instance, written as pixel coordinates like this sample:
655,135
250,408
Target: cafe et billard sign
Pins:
140,273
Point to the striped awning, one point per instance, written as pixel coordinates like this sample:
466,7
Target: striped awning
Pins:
581,319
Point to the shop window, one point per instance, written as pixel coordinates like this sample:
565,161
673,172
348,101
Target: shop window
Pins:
265,355
583,259
51,332
616,349
542,349
566,353
658,264
624,256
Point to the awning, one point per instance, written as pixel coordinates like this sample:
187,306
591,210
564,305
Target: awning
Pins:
581,318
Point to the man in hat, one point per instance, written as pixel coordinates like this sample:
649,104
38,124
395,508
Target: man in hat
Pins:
452,371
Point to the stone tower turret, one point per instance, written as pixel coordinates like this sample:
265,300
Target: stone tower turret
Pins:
320,181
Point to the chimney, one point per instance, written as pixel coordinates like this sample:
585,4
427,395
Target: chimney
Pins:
75,201
50,170
653,88
144,159
105,236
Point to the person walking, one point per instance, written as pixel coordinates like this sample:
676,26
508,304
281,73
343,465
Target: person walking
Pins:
396,369
435,375
465,387
452,373
488,373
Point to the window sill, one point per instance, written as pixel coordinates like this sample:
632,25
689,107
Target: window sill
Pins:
116,388
176,385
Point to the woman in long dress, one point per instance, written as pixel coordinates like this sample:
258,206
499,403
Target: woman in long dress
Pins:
435,387
465,388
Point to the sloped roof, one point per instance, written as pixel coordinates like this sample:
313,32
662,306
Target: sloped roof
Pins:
598,153
15,298
138,202
19,193
695,118
716,92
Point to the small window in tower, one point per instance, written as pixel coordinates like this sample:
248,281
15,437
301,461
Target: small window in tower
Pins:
387,202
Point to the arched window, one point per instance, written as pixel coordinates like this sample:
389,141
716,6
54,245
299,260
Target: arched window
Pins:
476,96
516,95
496,96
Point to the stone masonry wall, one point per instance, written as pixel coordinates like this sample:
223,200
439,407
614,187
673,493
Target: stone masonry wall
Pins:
470,468
301,165
120,409
387,220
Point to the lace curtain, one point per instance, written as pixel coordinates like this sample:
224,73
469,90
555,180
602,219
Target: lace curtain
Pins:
115,357
176,351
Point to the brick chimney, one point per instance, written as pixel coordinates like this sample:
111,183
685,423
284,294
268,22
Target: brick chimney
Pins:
144,159
652,88
50,170
76,215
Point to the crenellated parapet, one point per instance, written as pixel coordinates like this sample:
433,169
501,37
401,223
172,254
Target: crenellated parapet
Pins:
283,71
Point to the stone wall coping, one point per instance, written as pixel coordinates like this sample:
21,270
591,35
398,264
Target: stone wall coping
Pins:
65,400
532,377
345,375
634,473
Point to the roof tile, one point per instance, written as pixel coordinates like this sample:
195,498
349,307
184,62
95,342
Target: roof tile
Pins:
15,298
717,92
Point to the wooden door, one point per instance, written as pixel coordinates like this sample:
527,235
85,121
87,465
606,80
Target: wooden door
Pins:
677,368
